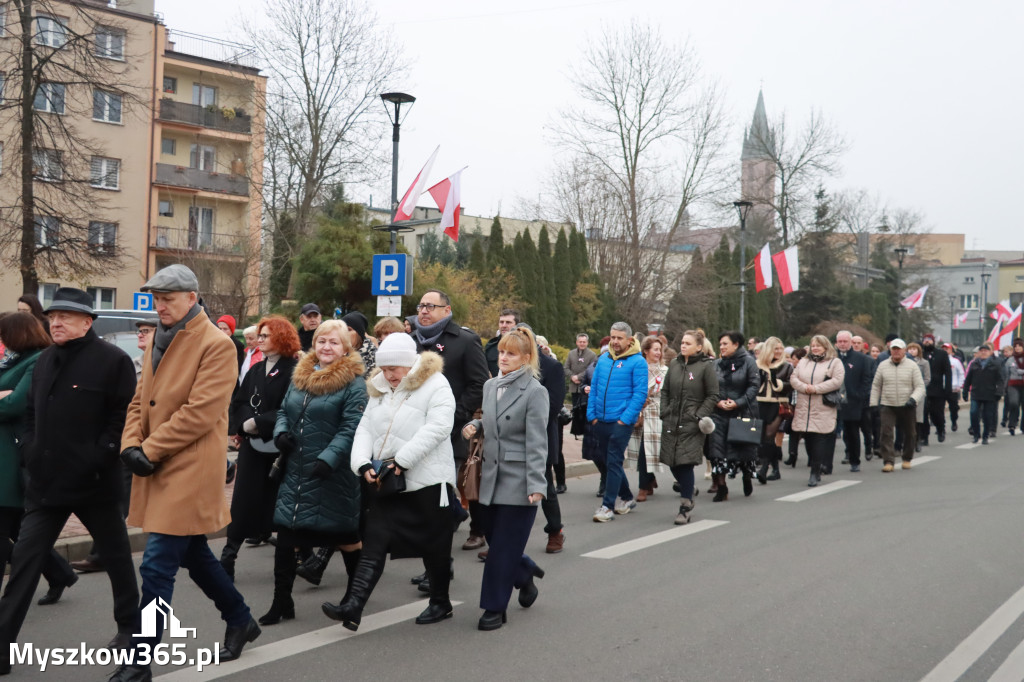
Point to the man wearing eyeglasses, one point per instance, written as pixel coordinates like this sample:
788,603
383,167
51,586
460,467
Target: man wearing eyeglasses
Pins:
465,368
145,334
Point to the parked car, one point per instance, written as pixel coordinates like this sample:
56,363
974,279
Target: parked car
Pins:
126,341
108,321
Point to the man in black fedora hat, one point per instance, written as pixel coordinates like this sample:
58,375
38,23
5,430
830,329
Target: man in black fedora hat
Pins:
81,388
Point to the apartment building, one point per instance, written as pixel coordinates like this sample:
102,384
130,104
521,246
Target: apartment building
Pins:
165,162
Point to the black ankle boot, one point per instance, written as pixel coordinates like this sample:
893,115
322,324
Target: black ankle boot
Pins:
283,608
312,569
762,472
748,485
722,493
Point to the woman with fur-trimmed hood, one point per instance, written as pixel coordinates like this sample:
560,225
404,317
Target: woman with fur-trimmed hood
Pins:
318,503
406,429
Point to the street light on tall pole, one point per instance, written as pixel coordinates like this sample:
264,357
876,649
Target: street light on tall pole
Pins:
985,276
952,316
901,253
396,99
743,207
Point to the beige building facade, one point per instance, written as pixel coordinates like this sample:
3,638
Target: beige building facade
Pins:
170,161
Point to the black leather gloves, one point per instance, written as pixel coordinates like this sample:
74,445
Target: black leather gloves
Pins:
910,403
285,443
137,462
321,469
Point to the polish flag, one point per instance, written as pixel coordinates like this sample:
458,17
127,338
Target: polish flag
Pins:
408,203
994,335
1002,310
788,267
959,319
1006,335
448,196
916,299
763,269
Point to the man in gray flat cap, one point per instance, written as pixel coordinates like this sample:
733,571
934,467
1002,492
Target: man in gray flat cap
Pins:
174,442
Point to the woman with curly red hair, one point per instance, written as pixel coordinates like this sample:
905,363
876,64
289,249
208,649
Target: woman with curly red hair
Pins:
251,423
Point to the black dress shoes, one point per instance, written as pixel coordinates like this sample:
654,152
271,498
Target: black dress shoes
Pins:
122,640
235,638
53,594
528,594
129,673
492,620
435,613
88,566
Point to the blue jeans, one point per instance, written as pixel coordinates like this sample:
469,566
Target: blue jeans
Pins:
612,439
164,555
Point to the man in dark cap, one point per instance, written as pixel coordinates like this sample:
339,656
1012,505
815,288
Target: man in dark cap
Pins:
309,320
937,389
81,388
356,322
174,442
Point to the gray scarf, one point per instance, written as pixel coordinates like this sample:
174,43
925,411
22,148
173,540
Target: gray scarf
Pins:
164,335
503,381
428,336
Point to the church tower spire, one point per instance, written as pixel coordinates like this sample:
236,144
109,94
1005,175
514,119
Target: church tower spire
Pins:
757,139
757,172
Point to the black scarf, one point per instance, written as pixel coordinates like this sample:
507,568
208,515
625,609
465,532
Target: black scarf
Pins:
164,335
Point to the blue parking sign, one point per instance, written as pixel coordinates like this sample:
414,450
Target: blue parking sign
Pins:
392,274
142,300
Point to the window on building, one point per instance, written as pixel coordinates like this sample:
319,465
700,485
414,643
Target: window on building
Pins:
46,293
969,301
166,208
109,42
46,165
106,106
200,226
47,231
203,95
170,85
3,20
202,156
51,30
102,235
968,280
103,298
168,146
49,98
105,173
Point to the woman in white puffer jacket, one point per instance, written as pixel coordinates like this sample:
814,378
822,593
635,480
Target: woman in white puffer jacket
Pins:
408,418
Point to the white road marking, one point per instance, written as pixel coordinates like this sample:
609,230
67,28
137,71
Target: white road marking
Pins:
968,446
636,545
268,653
817,491
924,460
1010,670
978,642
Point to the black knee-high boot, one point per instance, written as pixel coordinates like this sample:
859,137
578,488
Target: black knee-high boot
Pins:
775,457
312,569
228,556
283,608
763,459
351,560
364,579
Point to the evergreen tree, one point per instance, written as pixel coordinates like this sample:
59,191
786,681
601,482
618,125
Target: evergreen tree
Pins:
477,257
562,328
546,286
496,245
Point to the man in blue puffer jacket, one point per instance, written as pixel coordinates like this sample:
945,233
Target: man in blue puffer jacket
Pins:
618,392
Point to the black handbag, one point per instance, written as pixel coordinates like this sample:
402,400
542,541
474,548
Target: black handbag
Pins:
744,431
389,481
836,398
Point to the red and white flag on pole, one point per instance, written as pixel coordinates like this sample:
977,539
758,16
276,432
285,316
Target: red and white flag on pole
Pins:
1009,328
763,269
1002,310
916,299
448,196
408,203
788,267
996,332
959,319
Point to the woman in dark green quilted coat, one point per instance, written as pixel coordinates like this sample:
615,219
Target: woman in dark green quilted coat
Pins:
318,502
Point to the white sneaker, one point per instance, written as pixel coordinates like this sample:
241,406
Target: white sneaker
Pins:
603,515
624,506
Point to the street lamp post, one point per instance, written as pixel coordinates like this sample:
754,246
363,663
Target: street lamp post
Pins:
952,316
397,99
743,207
901,253
985,276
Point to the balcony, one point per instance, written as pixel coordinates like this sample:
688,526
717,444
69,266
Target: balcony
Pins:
183,239
212,49
194,178
205,117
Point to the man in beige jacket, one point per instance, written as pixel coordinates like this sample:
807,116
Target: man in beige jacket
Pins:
898,387
174,442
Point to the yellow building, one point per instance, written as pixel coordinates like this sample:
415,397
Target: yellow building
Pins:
175,154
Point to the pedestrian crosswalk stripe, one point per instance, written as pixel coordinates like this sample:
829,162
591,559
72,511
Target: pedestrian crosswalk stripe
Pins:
822,489
623,548
924,460
968,446
253,657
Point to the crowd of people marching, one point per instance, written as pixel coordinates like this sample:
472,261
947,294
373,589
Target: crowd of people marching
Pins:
380,442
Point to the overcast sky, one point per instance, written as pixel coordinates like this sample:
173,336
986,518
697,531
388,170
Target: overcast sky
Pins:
928,93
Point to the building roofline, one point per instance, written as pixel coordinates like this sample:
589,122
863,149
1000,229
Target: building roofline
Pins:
148,18
231,66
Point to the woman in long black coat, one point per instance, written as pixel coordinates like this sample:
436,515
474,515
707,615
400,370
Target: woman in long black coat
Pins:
738,381
252,417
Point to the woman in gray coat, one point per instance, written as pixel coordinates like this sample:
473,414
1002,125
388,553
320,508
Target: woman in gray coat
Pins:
514,427
687,402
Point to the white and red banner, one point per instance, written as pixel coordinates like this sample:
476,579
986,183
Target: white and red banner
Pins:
448,196
1005,338
994,335
916,299
763,269
1002,310
959,319
408,203
788,267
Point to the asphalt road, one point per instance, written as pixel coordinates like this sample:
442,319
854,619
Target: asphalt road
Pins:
904,576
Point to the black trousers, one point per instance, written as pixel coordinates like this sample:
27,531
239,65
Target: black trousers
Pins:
126,500
559,465
953,400
820,450
851,436
935,414
39,531
552,510
56,569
